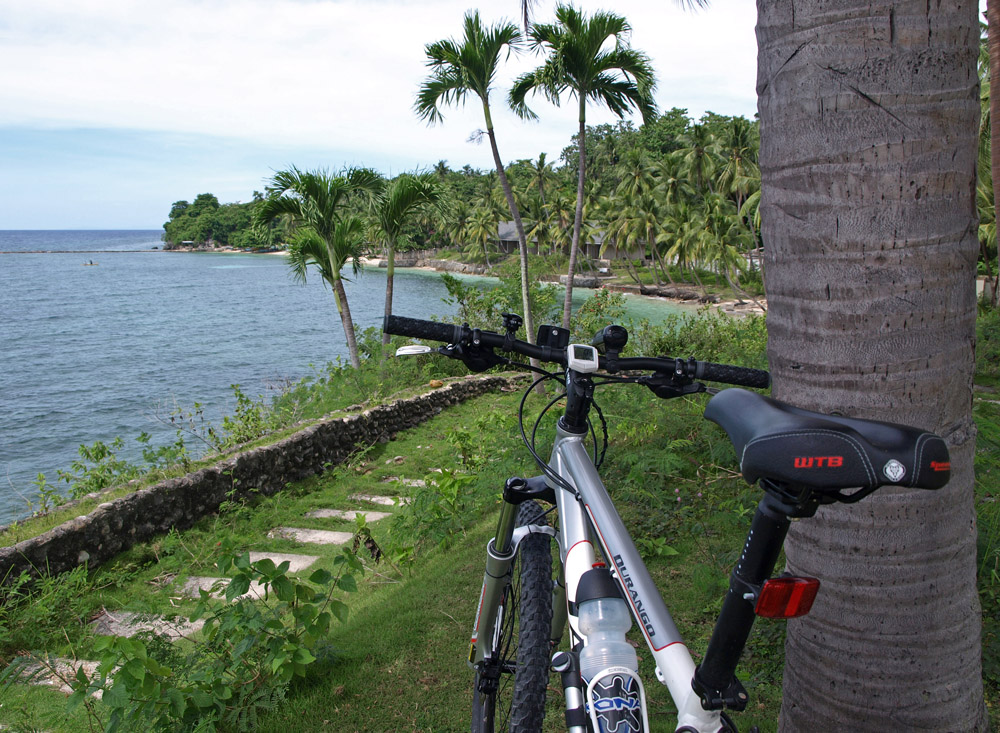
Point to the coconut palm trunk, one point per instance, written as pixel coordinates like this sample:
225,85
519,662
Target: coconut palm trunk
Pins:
515,212
867,208
993,42
390,279
574,247
344,309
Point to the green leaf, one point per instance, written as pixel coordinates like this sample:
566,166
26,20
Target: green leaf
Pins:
283,588
243,561
321,577
339,610
202,699
303,656
265,566
177,702
239,585
348,583
75,700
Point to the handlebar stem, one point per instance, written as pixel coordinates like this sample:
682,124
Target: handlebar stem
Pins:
579,398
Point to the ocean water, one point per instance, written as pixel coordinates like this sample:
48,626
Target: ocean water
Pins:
89,353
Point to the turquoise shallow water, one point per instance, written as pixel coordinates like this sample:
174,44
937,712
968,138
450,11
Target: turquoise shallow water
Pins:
89,353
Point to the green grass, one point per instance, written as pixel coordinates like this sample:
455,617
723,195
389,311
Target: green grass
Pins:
398,661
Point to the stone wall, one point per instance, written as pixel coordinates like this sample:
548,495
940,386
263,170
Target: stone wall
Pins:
178,503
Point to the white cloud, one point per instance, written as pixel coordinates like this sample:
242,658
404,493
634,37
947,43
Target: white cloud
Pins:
335,74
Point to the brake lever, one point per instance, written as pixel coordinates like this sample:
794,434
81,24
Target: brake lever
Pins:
669,385
475,358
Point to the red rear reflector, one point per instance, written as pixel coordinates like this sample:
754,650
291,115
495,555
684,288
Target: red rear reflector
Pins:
786,597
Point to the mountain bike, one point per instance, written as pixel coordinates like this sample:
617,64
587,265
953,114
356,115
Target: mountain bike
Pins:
799,459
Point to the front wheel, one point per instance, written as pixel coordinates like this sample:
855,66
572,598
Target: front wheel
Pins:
509,692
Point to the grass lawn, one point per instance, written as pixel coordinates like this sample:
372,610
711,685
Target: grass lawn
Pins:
397,662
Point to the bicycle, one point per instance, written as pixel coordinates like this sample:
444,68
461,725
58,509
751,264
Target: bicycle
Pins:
799,458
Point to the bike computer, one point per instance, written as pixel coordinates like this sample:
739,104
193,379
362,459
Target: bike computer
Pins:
581,358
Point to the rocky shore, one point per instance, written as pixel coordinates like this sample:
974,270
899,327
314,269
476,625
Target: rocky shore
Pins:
676,293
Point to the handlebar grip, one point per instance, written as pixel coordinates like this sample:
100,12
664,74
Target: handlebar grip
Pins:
417,328
728,374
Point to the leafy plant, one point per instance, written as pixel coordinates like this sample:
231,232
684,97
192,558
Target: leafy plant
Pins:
600,309
439,510
482,307
251,652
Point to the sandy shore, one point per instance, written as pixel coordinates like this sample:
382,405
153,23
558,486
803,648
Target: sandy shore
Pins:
729,307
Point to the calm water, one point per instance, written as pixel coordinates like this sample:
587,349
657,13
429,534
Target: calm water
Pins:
89,353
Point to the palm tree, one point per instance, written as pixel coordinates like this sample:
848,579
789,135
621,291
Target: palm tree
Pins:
868,221
700,154
738,174
325,238
391,210
481,226
459,68
993,19
581,61
542,172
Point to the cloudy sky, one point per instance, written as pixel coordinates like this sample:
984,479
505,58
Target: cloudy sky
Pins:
111,110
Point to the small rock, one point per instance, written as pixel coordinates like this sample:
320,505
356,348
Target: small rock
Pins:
435,383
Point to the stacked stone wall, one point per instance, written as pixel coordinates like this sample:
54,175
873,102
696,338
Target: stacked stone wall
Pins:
178,503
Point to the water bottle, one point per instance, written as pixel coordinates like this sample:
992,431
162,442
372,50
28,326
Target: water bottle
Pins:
604,620
608,663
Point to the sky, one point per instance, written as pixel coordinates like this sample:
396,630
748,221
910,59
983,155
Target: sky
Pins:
111,110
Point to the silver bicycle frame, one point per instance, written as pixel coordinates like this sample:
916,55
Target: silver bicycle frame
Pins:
584,517
594,509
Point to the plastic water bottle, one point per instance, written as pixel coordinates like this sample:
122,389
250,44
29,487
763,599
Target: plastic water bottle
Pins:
615,700
604,620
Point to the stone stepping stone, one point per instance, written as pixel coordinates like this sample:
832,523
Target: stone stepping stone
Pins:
125,623
349,515
412,482
296,562
383,500
194,584
40,675
312,536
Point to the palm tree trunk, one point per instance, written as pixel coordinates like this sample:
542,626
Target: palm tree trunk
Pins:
577,218
870,261
390,270
522,240
993,43
345,318
664,265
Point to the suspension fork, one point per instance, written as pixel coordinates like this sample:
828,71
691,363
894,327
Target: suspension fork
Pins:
500,553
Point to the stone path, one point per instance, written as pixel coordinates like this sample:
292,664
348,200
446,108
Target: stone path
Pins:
381,500
349,515
127,623
63,669
312,536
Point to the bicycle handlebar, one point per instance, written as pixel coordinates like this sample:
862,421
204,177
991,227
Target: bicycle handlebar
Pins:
464,335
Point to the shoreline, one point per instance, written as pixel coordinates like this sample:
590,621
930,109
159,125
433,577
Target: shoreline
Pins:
730,307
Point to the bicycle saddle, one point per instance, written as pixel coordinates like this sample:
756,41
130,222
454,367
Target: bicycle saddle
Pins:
826,453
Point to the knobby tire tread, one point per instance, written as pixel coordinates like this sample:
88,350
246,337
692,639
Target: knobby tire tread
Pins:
519,705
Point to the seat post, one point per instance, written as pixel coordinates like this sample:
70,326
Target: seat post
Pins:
715,680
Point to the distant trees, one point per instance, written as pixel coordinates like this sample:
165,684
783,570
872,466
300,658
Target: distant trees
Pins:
207,222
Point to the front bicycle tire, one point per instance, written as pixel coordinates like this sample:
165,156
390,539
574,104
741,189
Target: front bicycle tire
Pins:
509,691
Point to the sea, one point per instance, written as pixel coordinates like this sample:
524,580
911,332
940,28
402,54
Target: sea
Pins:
103,334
